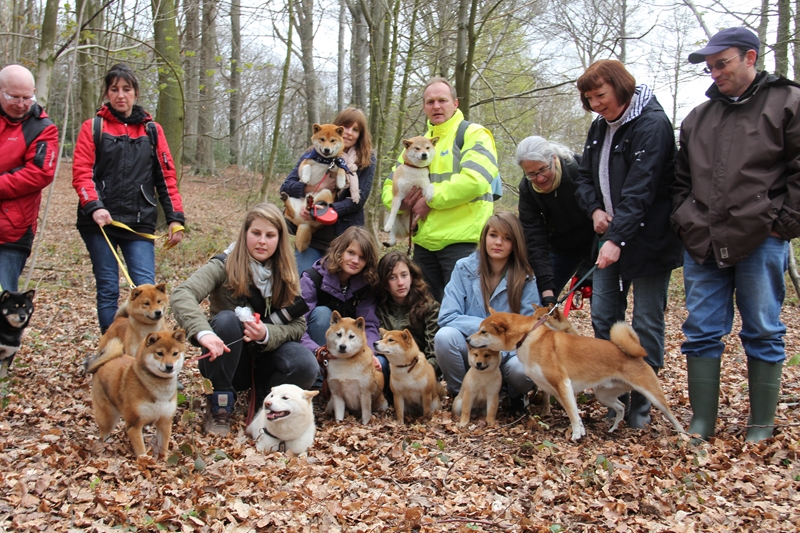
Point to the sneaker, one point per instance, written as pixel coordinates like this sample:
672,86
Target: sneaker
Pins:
218,413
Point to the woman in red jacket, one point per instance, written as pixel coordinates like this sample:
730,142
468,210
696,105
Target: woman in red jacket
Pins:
121,161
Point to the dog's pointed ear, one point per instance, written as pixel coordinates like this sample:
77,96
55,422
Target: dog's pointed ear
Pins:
310,394
360,324
335,317
179,335
406,335
162,287
135,293
152,339
407,143
30,294
499,325
434,140
316,127
381,331
492,311
340,130
536,307
5,296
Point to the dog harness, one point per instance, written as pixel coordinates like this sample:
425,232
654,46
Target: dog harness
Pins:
332,162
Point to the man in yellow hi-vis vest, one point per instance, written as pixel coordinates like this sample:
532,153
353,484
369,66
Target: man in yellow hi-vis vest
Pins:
449,226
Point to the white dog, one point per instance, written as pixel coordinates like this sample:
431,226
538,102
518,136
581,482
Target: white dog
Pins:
286,421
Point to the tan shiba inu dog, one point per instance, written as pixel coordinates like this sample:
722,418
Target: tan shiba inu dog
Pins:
305,228
141,315
412,378
561,363
353,381
328,142
481,386
143,390
413,172
285,421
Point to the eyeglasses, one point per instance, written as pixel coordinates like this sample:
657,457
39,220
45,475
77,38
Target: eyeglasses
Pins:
541,171
27,100
721,64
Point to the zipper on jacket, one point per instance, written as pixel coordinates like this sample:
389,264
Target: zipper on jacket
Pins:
166,164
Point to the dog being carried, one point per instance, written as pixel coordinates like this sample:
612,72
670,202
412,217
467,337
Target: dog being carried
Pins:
562,363
142,389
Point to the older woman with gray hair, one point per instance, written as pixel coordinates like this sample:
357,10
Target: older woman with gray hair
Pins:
558,233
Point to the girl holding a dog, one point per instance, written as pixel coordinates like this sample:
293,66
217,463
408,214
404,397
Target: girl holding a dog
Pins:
121,160
345,281
404,302
361,162
258,273
496,275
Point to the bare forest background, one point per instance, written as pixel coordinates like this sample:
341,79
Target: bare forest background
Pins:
240,84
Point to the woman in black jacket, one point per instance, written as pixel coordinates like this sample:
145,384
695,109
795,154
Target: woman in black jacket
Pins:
624,184
558,234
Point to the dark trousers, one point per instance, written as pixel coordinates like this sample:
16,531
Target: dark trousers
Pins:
236,370
438,266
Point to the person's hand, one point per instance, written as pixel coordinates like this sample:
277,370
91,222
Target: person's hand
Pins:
376,363
102,217
214,345
254,331
174,236
547,301
410,199
609,254
305,215
420,211
601,220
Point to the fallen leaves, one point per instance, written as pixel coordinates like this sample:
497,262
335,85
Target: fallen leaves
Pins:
524,475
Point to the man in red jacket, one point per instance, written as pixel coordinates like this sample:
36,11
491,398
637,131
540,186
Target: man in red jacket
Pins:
28,151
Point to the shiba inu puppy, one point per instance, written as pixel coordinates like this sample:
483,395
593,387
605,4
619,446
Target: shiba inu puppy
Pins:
292,209
412,378
328,144
481,386
285,421
561,364
16,309
141,315
353,381
413,172
142,389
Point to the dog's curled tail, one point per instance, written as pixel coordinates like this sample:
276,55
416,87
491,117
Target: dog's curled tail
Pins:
627,340
112,350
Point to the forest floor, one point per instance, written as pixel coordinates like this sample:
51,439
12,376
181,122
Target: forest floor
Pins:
525,474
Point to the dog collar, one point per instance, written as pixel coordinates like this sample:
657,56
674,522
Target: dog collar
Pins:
330,161
536,325
281,444
410,365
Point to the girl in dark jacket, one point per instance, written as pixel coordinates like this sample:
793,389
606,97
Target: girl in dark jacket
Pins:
117,180
361,161
558,235
624,184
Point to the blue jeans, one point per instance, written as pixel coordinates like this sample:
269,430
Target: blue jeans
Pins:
759,286
12,262
306,258
610,302
140,260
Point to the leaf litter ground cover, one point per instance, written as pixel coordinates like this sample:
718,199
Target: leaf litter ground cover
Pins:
523,475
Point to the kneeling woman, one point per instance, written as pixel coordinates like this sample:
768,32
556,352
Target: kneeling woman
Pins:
496,275
257,271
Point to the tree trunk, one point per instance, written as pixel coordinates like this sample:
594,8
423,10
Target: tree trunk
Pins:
304,24
235,119
341,74
359,55
46,59
191,78
273,152
795,42
782,45
762,33
205,122
89,89
169,111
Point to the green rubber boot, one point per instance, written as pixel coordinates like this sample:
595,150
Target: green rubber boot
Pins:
703,394
764,380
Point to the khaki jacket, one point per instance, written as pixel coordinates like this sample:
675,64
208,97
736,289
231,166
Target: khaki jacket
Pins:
738,171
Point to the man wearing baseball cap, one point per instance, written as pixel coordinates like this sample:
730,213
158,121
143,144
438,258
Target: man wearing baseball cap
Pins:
736,205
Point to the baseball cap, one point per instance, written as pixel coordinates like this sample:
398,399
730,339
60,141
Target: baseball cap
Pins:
724,39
